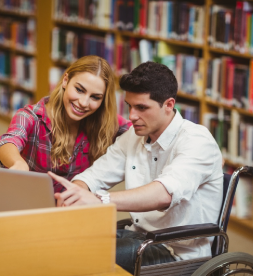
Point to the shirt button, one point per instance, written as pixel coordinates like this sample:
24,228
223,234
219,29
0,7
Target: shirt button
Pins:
133,167
155,159
136,220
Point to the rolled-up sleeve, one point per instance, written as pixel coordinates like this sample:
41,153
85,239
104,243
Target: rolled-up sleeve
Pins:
19,129
192,165
109,169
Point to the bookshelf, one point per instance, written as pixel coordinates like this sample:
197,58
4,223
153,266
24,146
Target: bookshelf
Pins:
100,27
25,32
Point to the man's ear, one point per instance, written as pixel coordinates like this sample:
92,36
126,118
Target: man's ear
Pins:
169,104
65,80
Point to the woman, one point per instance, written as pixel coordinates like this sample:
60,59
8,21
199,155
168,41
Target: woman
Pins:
66,132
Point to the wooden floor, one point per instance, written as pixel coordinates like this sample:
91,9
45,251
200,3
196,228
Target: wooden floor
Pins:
239,242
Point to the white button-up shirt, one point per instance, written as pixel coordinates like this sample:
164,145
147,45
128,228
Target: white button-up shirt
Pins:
186,160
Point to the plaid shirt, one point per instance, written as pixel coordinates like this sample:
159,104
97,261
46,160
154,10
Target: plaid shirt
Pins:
29,131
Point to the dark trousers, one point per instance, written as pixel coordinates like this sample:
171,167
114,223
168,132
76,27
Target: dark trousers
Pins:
126,251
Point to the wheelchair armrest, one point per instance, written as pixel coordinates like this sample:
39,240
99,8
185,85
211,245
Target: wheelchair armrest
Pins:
122,223
183,231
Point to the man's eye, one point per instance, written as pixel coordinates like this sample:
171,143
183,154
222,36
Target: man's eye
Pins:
142,107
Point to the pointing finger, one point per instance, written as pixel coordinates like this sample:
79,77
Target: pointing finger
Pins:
67,184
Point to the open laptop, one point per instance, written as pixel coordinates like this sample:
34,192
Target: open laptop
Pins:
21,190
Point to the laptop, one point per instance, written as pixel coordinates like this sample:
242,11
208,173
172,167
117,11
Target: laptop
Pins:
20,190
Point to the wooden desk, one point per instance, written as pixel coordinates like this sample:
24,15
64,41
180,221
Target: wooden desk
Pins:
118,272
59,241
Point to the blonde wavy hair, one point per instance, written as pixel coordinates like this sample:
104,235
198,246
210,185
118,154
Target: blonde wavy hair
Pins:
100,127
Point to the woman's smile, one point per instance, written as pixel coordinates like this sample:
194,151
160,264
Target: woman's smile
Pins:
78,110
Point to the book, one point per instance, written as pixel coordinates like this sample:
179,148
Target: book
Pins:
120,18
4,100
55,74
143,16
129,23
164,19
152,18
240,25
188,112
233,141
145,50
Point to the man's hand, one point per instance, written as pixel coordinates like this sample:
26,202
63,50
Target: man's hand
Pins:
74,195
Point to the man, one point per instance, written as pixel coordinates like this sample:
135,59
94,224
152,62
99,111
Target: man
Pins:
172,170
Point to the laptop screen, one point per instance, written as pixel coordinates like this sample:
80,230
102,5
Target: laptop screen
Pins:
20,190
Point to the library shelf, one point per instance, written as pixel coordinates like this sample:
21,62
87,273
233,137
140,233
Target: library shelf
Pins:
229,107
230,52
232,164
16,50
16,86
16,13
128,34
159,38
181,94
23,88
61,62
5,118
5,81
82,26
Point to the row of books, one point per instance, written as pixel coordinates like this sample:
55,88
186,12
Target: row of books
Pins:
5,64
157,18
228,82
188,112
4,100
11,102
23,71
123,56
233,134
55,74
69,45
231,27
188,69
18,34
22,6
20,69
242,204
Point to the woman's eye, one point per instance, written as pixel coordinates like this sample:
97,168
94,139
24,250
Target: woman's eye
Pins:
79,90
96,98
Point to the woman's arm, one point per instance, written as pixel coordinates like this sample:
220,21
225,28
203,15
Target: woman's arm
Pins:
11,158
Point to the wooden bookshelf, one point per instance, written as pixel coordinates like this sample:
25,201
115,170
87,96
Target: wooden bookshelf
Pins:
41,53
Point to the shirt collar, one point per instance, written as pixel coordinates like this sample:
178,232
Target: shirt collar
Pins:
169,133
40,110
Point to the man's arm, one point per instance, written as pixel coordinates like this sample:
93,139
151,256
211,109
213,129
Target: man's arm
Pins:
152,196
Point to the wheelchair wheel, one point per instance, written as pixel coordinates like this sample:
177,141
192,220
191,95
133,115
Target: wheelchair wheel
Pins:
234,263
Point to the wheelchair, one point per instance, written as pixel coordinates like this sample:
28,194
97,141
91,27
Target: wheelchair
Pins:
221,263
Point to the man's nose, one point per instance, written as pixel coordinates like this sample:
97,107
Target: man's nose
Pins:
133,115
